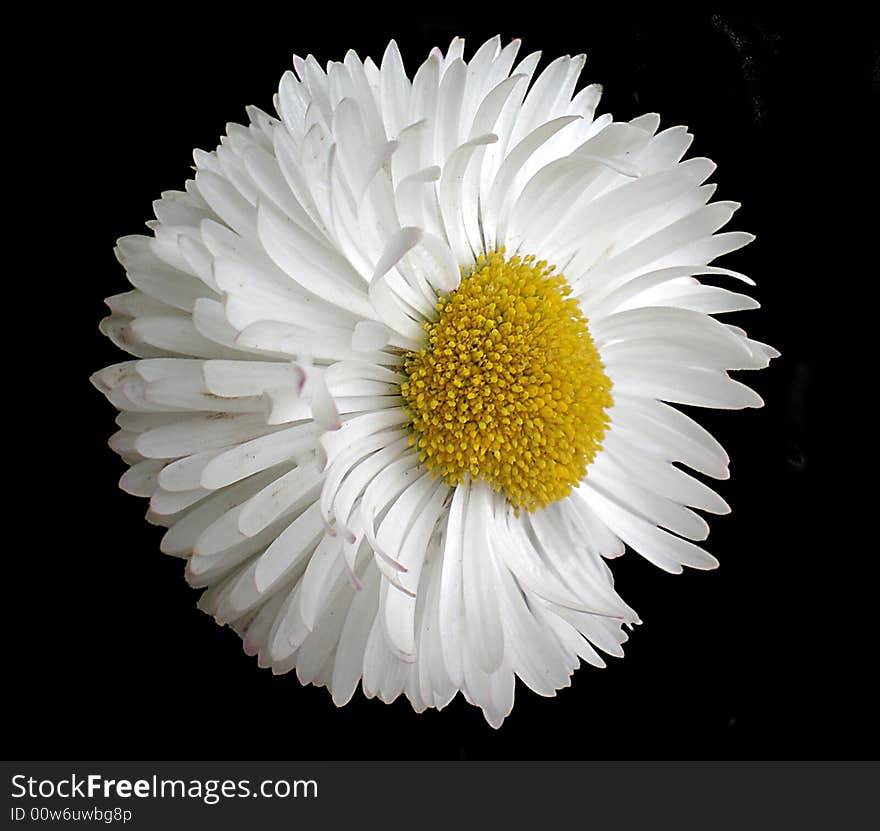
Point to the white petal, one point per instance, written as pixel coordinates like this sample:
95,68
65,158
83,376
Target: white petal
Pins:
295,543
661,548
479,577
451,599
347,668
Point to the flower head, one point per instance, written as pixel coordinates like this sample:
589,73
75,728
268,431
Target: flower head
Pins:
404,360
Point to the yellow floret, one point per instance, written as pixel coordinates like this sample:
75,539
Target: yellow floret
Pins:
509,387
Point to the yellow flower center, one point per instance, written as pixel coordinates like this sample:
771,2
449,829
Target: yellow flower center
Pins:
509,387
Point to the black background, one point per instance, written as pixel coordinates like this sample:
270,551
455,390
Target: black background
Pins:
106,652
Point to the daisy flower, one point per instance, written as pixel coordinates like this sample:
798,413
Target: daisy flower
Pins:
403,365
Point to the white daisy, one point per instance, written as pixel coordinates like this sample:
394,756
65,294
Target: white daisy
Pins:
404,359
